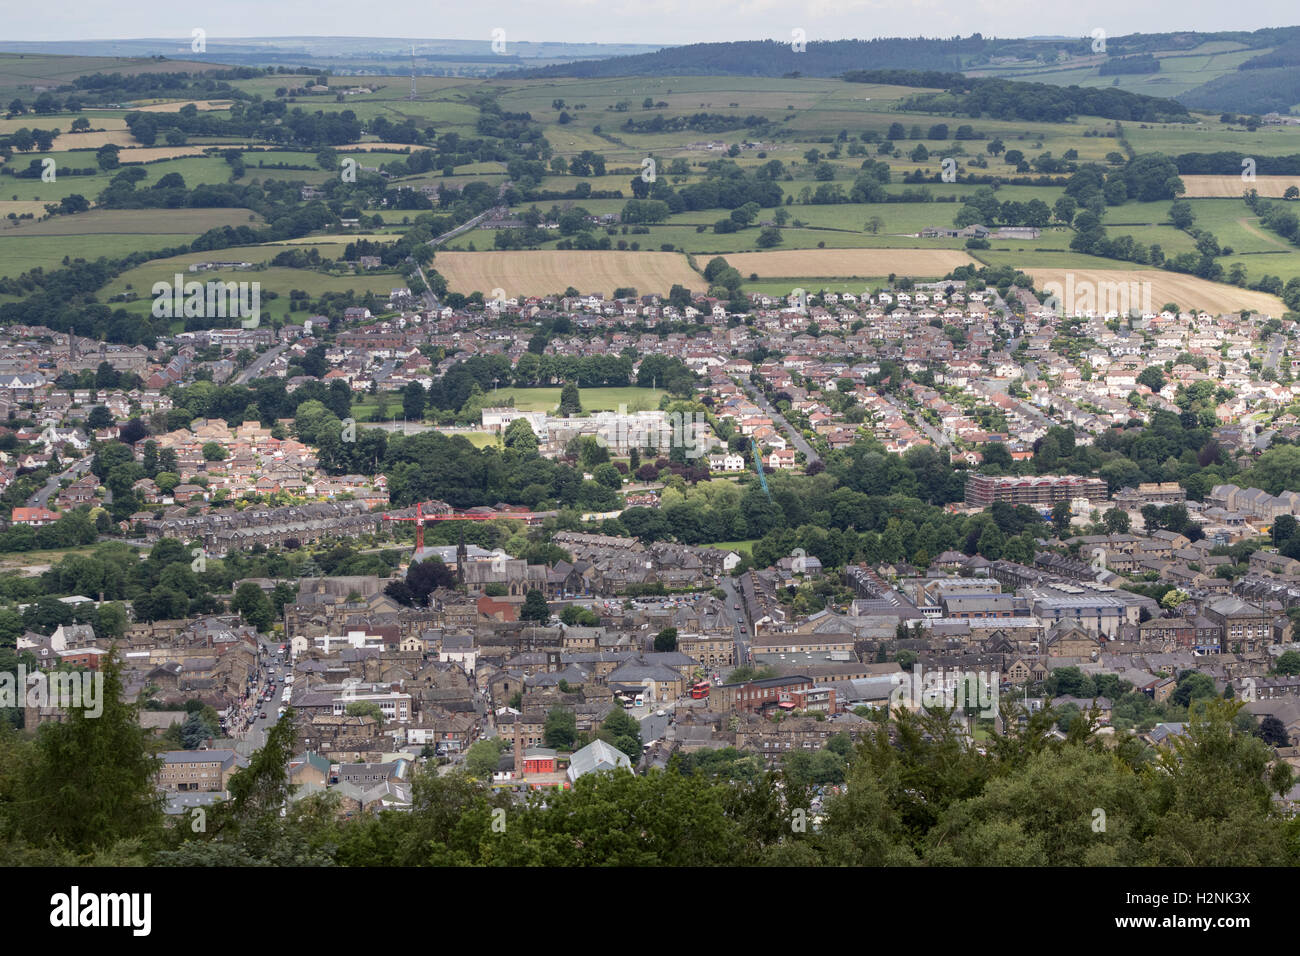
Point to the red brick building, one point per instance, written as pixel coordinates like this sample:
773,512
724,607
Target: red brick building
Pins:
756,696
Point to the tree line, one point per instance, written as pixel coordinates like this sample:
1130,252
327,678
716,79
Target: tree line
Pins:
916,794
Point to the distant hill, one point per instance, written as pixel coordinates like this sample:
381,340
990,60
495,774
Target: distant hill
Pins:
1011,99
1266,83
770,58
342,55
1228,70
1248,91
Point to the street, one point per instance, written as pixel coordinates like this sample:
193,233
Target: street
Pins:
253,733
258,365
740,626
42,498
914,415
795,437
653,727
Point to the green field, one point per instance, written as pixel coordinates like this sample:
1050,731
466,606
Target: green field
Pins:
593,399
738,546
1180,70
19,71
145,222
273,278
197,170
19,252
804,113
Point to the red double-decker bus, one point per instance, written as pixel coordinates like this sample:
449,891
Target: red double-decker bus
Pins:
700,690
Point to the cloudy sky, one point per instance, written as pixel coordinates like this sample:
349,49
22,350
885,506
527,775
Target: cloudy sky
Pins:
638,21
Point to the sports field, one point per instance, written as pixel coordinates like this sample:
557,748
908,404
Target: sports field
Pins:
593,399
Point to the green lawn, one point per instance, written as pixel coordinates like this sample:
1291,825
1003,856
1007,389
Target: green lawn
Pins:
593,399
746,546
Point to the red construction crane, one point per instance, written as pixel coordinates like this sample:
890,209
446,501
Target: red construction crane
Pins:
420,518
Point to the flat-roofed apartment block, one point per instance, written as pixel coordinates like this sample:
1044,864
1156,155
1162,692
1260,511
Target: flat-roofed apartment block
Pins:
984,490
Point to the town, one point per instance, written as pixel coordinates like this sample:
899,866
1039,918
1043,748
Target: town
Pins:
434,478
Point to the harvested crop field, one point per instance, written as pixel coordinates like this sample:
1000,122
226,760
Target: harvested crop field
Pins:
1186,291
848,263
554,270
21,207
176,106
1231,187
94,140
147,154
379,147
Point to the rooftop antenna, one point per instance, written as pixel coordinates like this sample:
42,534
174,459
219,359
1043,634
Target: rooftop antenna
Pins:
413,71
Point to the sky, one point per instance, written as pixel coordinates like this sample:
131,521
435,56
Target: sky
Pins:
631,21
